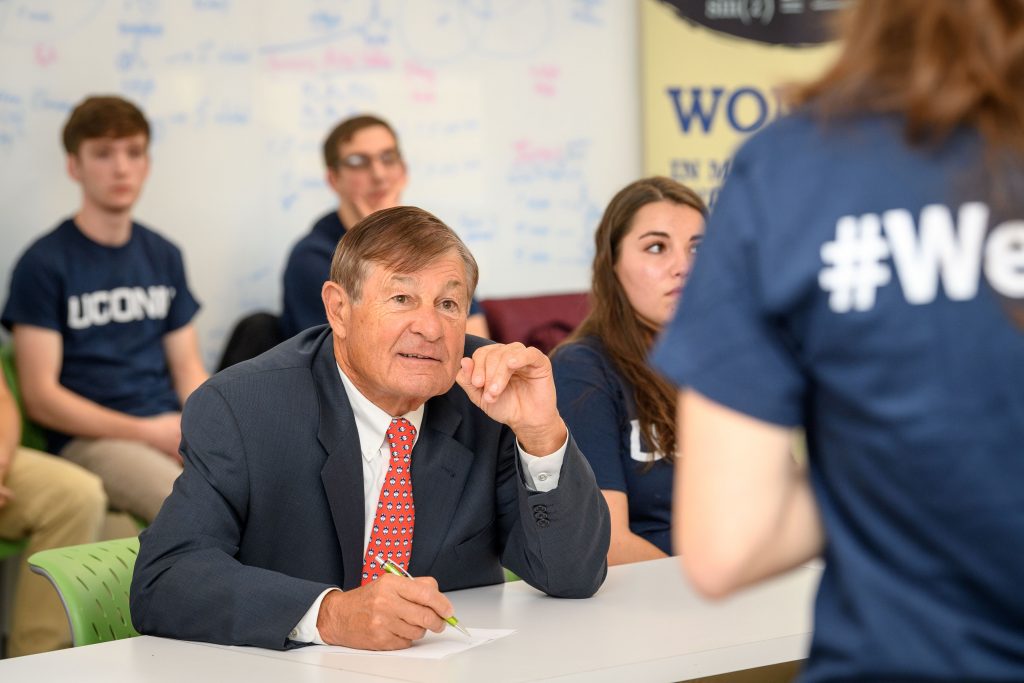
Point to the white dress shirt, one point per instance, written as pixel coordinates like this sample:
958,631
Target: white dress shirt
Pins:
540,474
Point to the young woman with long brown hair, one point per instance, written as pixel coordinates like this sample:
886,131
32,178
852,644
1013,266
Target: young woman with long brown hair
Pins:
621,413
861,277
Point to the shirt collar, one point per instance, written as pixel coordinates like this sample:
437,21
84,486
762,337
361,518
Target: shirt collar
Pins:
371,421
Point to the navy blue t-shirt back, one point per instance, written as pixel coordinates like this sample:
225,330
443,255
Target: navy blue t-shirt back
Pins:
855,286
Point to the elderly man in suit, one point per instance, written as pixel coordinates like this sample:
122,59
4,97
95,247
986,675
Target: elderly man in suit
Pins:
388,431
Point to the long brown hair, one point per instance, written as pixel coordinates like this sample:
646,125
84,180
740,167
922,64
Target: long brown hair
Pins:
626,337
942,64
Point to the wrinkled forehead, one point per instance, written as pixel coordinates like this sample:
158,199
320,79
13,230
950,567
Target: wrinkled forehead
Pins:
445,274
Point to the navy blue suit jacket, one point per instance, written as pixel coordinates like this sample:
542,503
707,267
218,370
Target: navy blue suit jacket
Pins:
268,512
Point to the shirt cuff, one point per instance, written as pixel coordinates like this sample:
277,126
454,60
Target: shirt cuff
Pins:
540,473
306,631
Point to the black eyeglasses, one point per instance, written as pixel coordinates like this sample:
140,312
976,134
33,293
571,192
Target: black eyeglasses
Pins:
362,162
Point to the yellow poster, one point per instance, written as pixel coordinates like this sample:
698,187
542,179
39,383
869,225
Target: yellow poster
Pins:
712,75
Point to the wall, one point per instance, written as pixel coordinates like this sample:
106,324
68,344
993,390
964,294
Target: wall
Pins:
519,120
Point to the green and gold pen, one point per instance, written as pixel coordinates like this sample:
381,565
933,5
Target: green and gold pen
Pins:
391,568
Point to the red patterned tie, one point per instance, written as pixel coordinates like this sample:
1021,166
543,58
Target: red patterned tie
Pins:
392,528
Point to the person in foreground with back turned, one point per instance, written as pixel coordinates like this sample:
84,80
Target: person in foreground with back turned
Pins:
297,467
862,276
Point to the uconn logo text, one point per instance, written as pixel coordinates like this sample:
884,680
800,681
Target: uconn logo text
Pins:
119,305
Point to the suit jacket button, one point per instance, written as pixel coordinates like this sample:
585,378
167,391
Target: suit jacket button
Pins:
543,523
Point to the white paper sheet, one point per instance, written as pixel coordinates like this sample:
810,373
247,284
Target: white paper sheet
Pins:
431,646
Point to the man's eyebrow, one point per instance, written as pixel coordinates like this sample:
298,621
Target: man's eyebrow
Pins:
402,280
369,153
410,280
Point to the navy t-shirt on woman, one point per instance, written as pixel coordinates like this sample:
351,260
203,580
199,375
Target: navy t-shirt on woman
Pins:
599,407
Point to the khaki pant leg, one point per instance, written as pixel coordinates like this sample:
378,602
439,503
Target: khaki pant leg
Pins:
55,504
136,477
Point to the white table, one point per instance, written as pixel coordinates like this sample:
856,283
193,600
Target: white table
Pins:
645,623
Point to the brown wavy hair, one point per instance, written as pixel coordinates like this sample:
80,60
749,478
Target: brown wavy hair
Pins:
100,116
404,239
943,65
627,338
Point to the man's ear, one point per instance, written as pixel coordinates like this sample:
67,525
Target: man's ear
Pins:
402,182
72,166
333,179
337,306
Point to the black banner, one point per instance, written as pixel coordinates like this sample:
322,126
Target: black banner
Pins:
776,22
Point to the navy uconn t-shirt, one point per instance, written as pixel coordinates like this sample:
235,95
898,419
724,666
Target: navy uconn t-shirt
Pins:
858,287
112,307
599,407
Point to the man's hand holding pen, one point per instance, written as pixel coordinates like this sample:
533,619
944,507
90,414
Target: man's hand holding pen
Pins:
387,614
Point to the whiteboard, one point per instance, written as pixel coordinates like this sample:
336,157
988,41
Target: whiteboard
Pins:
519,120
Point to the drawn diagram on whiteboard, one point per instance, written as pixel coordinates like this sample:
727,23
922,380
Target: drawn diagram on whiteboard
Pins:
295,30
34,21
444,30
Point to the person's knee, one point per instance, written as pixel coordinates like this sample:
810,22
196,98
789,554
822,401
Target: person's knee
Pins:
81,493
91,493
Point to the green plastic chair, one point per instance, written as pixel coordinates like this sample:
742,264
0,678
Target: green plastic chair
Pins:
10,548
93,582
32,436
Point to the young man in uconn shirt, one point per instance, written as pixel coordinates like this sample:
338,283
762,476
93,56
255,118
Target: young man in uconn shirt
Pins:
101,313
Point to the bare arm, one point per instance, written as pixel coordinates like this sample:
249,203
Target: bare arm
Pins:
626,546
744,510
39,355
10,435
182,350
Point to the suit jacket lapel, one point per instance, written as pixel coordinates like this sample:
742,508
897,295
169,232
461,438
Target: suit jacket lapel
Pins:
342,474
440,465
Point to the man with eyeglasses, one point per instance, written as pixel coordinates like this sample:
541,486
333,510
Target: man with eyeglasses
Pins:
366,170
